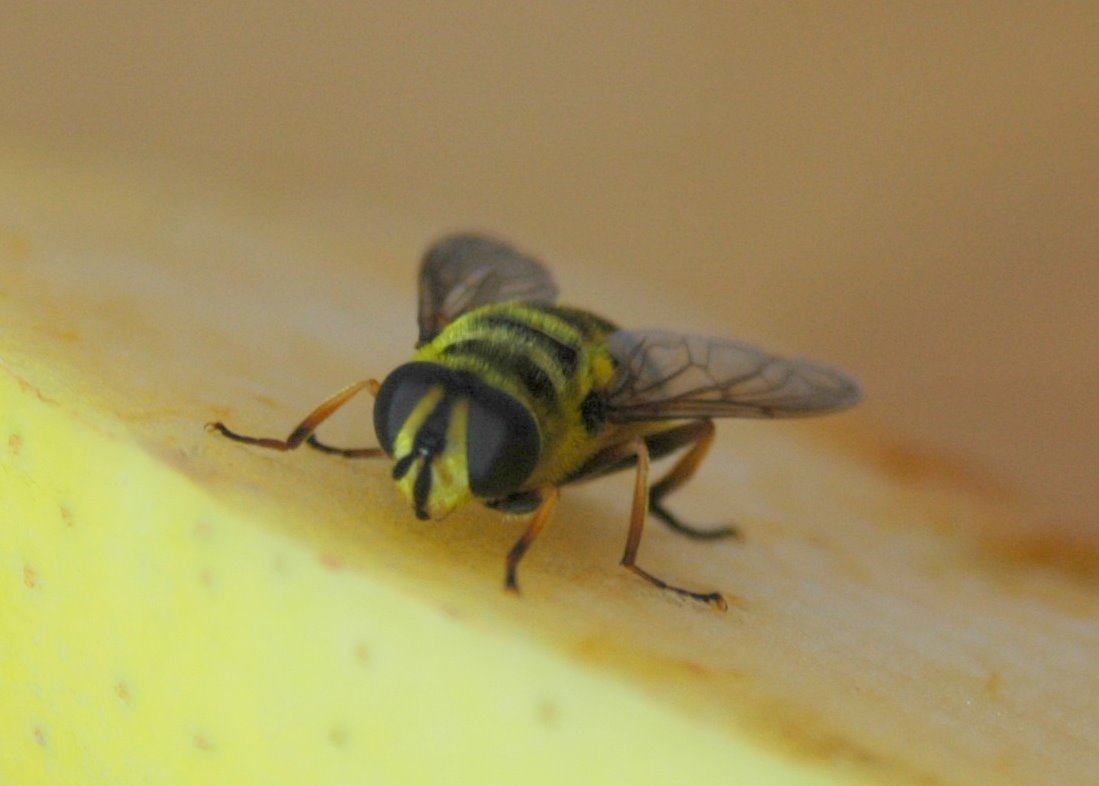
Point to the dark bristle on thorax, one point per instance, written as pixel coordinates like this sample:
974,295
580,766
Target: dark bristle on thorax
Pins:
593,412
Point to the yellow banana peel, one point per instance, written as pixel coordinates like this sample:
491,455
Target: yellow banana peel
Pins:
179,609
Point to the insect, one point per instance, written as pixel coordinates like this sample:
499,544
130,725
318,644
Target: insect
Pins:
508,397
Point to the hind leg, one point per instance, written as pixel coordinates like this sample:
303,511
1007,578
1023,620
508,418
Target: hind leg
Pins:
699,435
637,524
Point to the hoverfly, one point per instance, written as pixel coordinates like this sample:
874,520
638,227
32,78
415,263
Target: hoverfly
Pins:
508,397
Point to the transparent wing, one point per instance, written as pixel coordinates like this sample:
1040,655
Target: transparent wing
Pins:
465,271
666,375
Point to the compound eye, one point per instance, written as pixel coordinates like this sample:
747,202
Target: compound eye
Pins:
502,443
401,391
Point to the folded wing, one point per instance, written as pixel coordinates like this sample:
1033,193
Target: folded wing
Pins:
465,271
667,375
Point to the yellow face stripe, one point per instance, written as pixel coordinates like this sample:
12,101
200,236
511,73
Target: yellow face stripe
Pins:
449,486
450,469
406,438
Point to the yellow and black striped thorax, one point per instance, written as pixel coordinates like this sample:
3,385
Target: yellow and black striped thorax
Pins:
545,356
524,379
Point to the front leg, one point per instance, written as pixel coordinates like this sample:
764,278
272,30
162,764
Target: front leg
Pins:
303,432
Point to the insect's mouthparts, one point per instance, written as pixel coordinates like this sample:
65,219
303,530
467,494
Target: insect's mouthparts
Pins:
421,489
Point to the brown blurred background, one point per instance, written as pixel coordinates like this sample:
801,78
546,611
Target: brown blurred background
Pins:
908,190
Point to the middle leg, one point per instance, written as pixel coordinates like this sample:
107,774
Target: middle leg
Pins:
549,497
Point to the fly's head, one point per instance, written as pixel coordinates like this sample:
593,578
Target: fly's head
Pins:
453,437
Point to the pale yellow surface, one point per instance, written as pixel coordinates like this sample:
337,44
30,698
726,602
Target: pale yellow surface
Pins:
217,214
181,609
154,637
